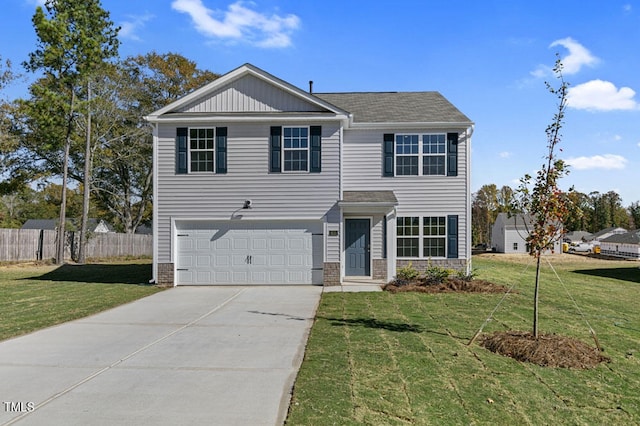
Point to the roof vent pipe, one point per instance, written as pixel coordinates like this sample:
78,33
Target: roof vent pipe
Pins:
311,87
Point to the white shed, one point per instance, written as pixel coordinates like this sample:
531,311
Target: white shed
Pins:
509,234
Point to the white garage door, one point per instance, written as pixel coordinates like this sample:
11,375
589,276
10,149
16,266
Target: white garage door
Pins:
230,253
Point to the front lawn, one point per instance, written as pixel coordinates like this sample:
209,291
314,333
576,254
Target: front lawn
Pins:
34,297
382,358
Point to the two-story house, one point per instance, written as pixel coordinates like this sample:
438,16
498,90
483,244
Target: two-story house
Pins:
259,182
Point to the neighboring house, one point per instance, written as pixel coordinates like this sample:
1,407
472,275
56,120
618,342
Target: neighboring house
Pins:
606,233
46,224
509,234
259,182
625,245
93,225
577,236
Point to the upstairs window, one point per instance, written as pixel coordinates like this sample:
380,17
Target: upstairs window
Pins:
427,154
201,149
407,155
296,149
434,154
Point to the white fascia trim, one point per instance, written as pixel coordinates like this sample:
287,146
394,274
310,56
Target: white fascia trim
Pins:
416,125
240,118
252,219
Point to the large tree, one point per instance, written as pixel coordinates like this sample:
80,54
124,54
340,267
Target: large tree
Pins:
75,38
123,165
634,212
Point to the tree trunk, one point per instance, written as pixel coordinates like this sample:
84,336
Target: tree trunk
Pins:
63,206
63,196
535,298
87,183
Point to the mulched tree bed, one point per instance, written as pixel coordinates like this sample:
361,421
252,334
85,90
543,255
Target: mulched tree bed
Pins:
450,285
549,350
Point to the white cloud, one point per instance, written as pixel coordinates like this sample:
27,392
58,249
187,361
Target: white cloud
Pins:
541,72
504,154
627,8
578,57
605,161
129,27
240,23
601,95
36,2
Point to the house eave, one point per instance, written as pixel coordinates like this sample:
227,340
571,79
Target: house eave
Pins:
244,118
411,125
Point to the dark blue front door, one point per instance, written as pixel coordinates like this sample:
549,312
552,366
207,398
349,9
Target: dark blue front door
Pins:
357,247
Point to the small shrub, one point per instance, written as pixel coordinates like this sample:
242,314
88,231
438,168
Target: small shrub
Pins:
464,276
407,273
436,274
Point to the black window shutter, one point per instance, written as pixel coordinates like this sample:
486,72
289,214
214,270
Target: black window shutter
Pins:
181,150
221,150
316,149
275,150
388,154
452,236
452,154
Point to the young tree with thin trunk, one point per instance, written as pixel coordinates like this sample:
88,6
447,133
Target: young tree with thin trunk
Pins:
546,203
74,40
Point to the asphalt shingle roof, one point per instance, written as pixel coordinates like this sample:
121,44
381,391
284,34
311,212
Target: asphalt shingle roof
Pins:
399,107
632,237
369,197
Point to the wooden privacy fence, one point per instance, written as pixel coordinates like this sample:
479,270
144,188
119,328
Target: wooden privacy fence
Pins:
39,244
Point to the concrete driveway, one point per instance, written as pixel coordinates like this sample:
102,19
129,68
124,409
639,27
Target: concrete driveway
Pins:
185,356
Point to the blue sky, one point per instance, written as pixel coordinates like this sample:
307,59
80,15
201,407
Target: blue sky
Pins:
490,58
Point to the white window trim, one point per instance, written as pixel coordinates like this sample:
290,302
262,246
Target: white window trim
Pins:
421,236
421,154
307,149
213,151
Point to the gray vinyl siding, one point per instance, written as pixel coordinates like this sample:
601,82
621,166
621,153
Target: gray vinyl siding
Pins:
417,195
333,243
377,236
250,94
303,196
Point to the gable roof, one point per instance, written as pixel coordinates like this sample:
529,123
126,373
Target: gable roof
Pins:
578,235
398,107
517,221
631,237
609,230
175,109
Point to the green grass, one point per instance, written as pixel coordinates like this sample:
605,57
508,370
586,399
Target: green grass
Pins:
385,359
34,297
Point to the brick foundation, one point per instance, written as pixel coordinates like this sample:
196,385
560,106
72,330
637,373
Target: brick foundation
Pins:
331,273
165,274
379,269
422,264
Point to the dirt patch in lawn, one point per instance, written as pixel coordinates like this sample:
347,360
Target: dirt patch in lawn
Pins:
548,350
451,285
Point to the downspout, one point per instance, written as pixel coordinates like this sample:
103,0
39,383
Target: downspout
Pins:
154,278
340,193
469,132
